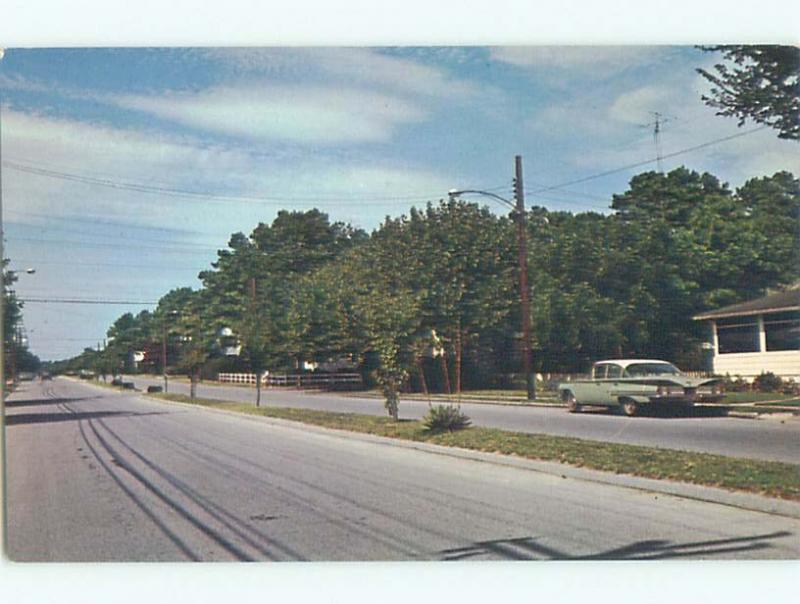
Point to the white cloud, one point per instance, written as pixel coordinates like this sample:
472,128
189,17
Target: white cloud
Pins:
346,66
593,61
616,128
637,106
296,114
322,180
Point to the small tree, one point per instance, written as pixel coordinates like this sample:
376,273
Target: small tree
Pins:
257,343
390,319
197,335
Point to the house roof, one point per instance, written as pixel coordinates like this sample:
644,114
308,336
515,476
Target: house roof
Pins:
625,362
782,301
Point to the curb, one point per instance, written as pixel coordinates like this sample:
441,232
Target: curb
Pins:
707,494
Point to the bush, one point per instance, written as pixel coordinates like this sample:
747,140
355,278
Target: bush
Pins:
767,382
790,387
736,385
445,418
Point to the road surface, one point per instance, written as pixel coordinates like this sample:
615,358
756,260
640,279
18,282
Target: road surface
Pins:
94,474
769,439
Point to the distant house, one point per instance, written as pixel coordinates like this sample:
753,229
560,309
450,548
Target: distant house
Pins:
757,336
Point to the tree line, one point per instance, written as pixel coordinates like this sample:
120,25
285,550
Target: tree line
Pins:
430,299
17,357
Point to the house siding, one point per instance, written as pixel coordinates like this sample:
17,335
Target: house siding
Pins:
784,363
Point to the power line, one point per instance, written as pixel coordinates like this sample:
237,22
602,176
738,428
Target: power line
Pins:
87,301
649,161
171,250
112,264
119,236
189,194
84,219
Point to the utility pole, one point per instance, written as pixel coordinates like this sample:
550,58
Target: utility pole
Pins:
164,353
257,369
524,294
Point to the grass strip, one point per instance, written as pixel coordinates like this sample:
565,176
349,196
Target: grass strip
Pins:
774,479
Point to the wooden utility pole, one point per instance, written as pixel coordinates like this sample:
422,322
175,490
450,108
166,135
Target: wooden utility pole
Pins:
164,354
524,294
256,370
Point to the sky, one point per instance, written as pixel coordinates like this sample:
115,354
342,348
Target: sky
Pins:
126,169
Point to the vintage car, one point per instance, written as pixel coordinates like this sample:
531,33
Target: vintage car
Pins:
630,383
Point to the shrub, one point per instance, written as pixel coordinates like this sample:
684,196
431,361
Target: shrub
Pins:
790,387
736,385
445,418
767,382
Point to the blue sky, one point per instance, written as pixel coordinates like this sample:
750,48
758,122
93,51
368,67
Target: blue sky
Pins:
360,133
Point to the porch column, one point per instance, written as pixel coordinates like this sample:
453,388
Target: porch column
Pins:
714,338
762,335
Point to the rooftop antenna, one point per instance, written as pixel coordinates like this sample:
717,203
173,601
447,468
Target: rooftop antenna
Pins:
659,119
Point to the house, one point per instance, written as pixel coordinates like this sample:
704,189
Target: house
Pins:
757,336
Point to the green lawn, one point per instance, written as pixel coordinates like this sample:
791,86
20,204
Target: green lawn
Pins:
771,398
764,477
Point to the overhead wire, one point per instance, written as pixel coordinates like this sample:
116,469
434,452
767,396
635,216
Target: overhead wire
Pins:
186,193
647,162
35,300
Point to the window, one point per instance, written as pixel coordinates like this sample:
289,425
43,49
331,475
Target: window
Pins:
645,369
599,372
782,331
614,371
737,334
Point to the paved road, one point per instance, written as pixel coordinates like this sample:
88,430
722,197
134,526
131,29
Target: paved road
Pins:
95,474
768,439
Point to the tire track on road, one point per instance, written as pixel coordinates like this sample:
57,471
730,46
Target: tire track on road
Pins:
220,514
101,448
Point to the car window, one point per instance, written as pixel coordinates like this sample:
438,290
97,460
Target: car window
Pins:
641,369
614,371
599,372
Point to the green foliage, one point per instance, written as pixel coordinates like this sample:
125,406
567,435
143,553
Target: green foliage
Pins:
445,418
736,384
760,83
767,382
443,281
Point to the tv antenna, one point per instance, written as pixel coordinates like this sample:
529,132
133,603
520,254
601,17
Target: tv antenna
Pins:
659,119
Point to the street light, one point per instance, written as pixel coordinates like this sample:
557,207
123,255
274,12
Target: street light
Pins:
524,294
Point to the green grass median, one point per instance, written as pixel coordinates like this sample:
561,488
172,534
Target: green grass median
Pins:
774,479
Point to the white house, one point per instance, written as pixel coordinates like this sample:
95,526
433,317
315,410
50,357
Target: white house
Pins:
757,336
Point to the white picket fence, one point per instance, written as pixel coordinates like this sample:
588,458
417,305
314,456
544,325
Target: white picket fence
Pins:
242,378
299,380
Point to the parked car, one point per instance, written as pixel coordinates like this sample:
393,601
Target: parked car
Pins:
627,384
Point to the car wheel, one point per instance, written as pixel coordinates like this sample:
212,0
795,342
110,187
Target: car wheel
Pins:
573,406
630,408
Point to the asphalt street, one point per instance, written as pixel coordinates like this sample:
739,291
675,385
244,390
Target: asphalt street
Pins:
95,475
769,439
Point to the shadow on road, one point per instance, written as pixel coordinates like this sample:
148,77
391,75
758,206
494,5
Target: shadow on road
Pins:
29,402
666,412
527,548
44,418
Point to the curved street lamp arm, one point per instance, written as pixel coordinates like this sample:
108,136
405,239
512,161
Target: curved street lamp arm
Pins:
508,202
